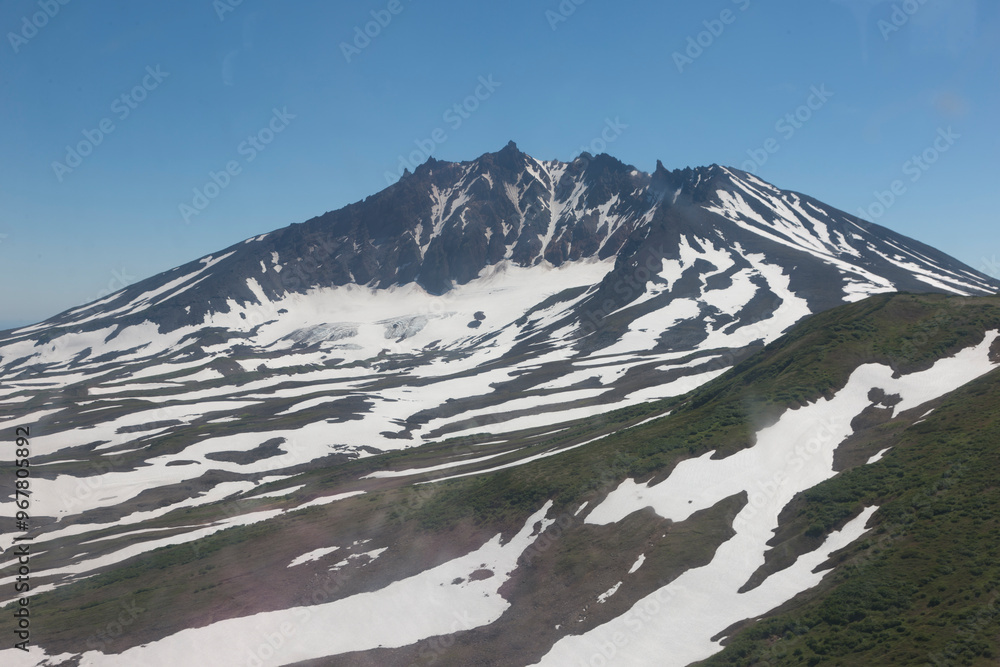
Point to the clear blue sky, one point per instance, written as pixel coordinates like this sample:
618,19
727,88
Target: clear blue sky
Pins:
70,233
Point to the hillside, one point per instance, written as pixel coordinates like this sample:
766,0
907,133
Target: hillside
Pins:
554,556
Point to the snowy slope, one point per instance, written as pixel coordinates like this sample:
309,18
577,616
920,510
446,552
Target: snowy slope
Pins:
500,300
467,592
559,291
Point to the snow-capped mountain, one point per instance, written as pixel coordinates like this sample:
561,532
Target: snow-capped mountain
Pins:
503,301
453,224
813,503
487,296
513,292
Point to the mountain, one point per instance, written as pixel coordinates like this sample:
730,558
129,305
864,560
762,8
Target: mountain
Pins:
582,285
830,500
448,225
434,419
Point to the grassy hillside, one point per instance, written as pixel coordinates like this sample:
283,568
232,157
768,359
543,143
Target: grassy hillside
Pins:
921,588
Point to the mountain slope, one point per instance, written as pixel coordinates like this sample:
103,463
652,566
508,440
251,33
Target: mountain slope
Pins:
448,223
494,296
922,587
591,551
474,318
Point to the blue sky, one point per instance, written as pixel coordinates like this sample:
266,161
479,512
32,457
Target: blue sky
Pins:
161,96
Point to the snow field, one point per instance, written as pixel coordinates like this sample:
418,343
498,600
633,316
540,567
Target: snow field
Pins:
791,456
89,565
405,612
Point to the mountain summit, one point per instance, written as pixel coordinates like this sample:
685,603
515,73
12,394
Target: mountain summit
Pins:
447,224
495,385
589,282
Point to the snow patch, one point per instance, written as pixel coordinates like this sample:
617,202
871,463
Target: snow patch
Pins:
403,613
313,555
637,564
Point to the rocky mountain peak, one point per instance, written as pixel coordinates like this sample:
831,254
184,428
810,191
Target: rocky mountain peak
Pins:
449,223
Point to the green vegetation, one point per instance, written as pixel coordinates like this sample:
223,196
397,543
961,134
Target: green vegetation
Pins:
920,588
814,360
923,587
